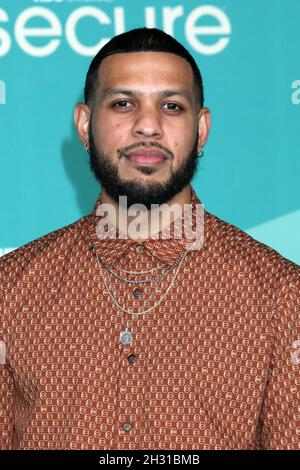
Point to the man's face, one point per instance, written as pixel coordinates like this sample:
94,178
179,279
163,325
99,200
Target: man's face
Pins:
144,127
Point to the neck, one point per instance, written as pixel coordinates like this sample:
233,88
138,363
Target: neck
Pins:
142,225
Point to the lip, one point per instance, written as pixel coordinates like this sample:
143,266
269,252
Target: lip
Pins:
146,157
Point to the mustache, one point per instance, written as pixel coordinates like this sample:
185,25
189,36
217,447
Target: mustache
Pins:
124,150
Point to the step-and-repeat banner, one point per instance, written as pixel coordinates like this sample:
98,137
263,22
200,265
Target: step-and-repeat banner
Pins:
248,52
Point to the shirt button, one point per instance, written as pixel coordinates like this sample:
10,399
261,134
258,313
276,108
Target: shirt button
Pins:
131,358
139,249
137,293
127,426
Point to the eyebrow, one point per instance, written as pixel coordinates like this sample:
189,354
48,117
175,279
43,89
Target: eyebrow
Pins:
133,93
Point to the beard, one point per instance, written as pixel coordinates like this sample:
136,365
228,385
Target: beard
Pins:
141,192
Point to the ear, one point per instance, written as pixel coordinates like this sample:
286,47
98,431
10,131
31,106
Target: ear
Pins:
82,117
204,126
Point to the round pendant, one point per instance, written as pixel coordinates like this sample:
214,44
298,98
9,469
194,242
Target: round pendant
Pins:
125,337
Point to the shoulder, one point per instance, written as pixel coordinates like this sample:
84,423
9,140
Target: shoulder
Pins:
46,249
242,251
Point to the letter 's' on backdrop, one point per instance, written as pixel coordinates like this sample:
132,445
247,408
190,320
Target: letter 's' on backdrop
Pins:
248,52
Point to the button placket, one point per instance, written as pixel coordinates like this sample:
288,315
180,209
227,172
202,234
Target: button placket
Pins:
137,292
139,249
127,427
132,358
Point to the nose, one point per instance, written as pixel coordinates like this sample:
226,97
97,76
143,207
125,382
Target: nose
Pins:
147,123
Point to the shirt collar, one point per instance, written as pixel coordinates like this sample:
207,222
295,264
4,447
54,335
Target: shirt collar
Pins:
166,250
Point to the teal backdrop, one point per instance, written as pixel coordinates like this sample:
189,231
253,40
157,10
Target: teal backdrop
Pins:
248,52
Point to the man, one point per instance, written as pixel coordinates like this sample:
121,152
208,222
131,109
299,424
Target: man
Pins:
147,342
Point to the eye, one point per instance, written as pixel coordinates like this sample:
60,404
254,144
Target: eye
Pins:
124,104
173,107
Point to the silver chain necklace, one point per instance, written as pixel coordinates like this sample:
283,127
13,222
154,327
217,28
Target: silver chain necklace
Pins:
126,336
154,279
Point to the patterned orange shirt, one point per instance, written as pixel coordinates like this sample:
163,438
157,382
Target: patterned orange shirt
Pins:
214,365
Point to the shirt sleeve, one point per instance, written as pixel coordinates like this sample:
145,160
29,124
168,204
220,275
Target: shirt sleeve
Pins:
280,412
6,379
6,408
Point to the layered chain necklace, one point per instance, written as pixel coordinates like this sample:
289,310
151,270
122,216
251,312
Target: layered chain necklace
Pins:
126,336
